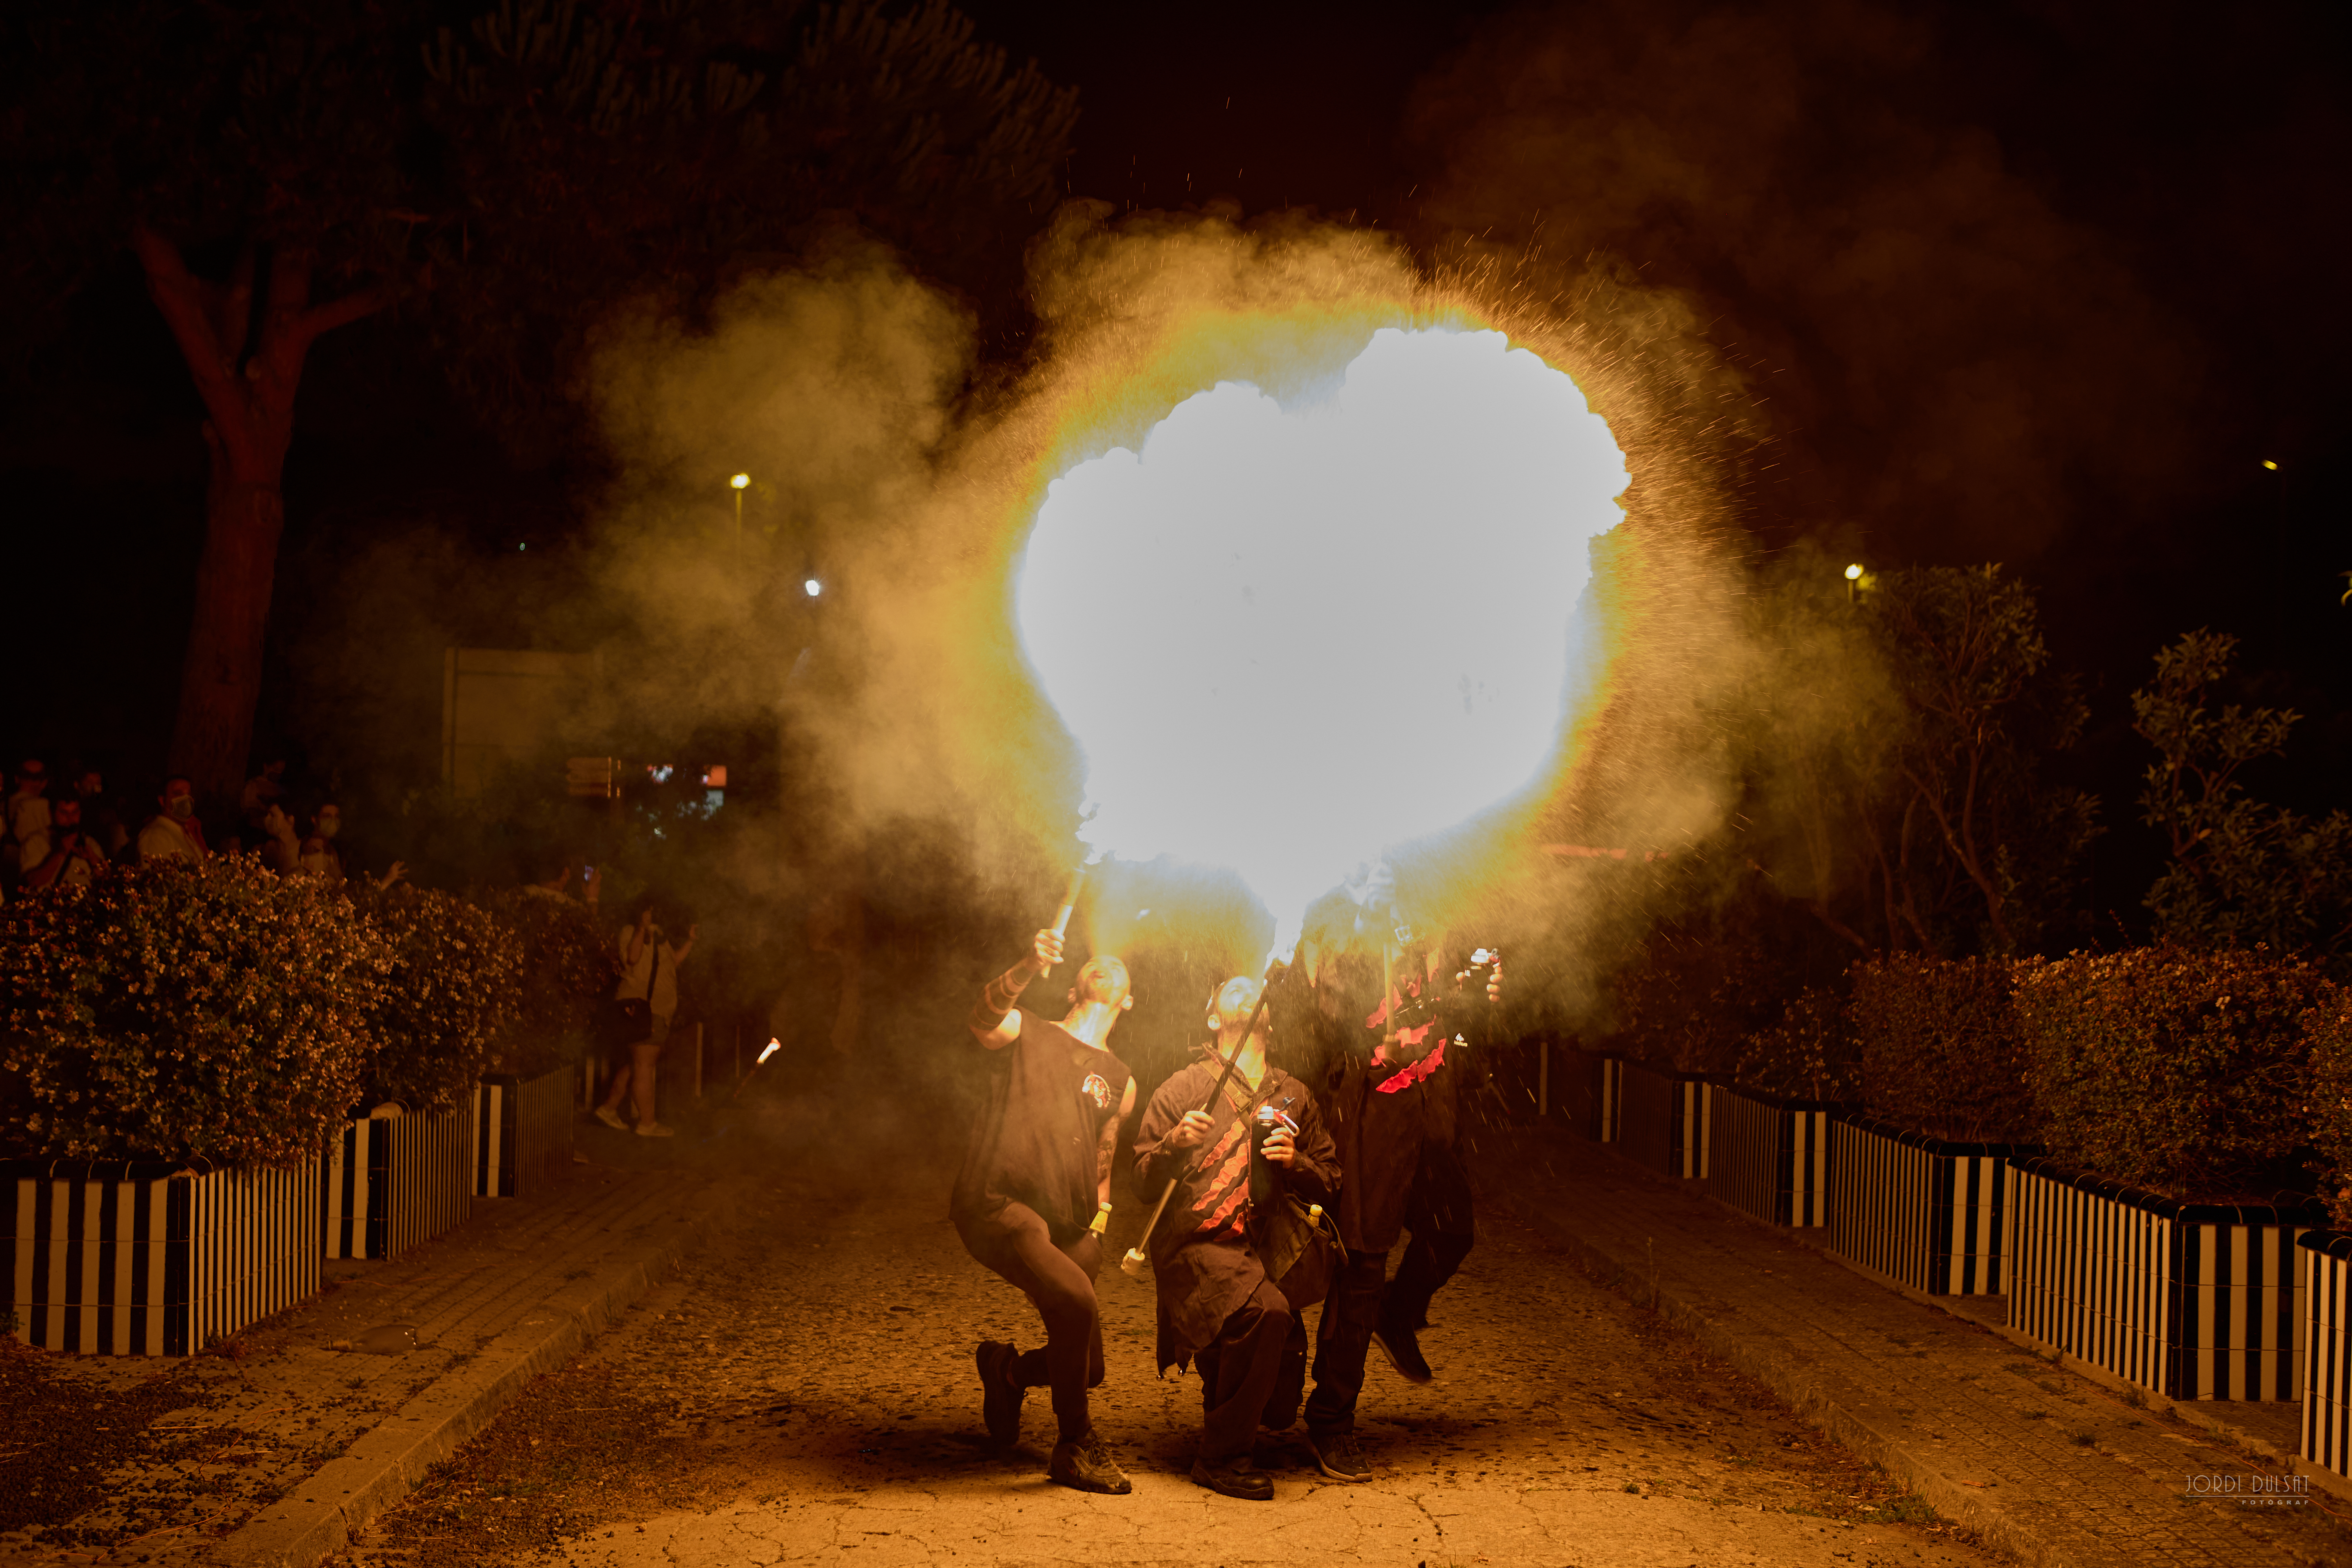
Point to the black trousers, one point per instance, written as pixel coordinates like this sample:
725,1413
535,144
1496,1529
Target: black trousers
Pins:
1059,1280
1239,1370
1438,1213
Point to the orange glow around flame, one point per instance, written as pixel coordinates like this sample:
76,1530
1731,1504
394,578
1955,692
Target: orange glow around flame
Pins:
1288,638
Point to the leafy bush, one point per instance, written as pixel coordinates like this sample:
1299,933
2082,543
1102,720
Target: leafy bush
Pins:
2242,871
209,1012
1942,1052
1809,1055
568,973
2328,1028
2186,1073
445,1002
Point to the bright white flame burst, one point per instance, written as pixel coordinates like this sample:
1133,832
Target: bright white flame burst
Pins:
1287,638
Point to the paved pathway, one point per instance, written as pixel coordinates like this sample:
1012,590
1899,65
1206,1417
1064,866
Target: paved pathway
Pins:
2047,1464
250,1433
805,1393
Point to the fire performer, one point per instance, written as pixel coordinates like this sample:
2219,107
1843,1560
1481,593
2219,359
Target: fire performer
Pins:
1394,1081
1266,1152
1034,1193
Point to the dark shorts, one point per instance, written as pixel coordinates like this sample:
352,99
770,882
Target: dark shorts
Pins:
657,1035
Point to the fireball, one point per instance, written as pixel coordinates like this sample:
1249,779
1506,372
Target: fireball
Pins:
1289,635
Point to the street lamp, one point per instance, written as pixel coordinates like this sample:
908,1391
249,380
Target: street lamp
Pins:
742,482
812,587
1852,576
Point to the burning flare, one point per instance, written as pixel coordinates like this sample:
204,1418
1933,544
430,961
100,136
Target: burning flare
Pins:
1288,638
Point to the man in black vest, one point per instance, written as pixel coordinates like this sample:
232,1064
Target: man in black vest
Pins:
1035,1191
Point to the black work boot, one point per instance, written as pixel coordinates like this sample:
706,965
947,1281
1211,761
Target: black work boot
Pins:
1337,1456
999,1396
1402,1347
1237,1477
1087,1466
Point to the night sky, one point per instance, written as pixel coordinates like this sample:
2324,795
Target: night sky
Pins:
2040,284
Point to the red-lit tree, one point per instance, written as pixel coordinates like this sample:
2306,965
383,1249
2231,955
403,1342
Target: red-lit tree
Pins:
283,167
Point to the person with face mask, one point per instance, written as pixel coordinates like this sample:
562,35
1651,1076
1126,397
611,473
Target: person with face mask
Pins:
320,858
173,833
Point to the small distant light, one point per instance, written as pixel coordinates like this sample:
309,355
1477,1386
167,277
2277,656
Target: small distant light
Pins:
812,587
522,547
659,772
741,482
1854,574
2271,465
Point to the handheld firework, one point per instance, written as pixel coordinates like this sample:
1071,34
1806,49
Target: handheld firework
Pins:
772,1047
1070,898
1135,1264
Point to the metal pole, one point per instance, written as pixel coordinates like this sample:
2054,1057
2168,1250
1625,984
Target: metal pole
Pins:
1136,1262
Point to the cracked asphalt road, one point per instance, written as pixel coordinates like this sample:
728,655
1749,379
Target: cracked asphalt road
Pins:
804,1392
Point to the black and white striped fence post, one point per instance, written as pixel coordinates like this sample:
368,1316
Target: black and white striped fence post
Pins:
520,1125
2327,1350
2189,1301
1930,1214
1769,1157
389,1182
1662,1120
149,1258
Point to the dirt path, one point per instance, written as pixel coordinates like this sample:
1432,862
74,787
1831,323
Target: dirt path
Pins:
806,1392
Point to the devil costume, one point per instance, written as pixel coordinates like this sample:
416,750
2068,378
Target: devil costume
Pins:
1026,1193
1209,1253
1393,1125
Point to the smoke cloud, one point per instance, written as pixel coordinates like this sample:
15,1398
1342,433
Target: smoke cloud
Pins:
1937,355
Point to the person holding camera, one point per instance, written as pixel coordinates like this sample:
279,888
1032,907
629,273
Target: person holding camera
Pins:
1259,1146
1033,1195
648,975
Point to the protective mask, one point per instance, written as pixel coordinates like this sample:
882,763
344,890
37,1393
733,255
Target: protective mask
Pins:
180,808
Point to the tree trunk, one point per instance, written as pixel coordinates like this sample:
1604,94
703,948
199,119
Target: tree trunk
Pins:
220,680
250,401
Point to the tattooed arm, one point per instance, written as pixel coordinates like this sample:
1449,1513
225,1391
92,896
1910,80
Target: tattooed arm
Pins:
1107,1145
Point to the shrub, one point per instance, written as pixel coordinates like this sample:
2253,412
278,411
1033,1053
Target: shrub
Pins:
447,1000
1807,1055
211,1013
568,973
2186,1073
1942,1052
2328,1028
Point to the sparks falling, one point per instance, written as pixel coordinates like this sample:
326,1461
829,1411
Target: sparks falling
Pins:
1288,637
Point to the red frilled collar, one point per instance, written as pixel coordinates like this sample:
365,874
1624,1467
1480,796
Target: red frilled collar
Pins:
1405,1077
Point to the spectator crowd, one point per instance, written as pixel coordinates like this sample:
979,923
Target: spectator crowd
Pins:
70,832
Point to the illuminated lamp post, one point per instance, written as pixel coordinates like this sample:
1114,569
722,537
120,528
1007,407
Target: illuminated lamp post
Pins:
1852,576
742,482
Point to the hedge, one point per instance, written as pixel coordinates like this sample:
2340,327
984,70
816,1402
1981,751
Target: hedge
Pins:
568,972
207,1012
2328,1028
446,1001
2186,1073
1942,1050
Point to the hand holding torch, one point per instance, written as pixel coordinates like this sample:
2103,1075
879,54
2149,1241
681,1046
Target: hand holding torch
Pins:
1135,1264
